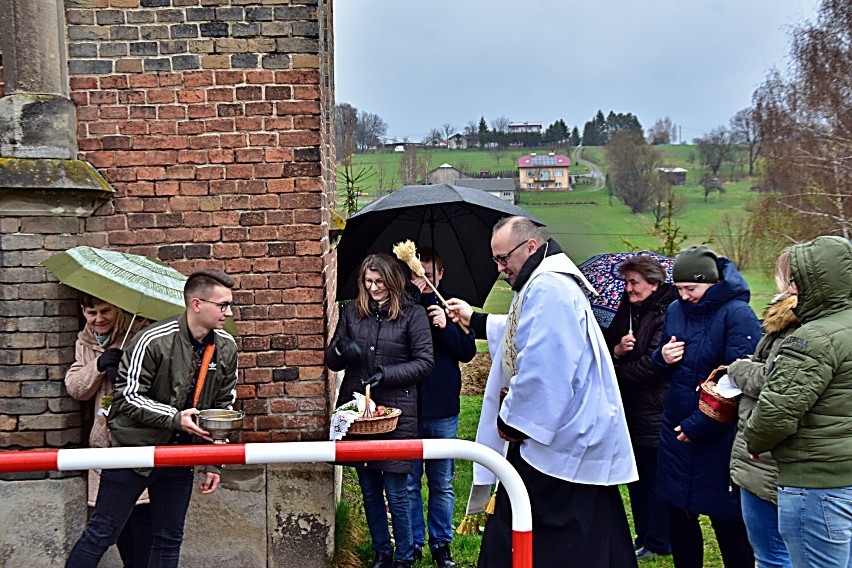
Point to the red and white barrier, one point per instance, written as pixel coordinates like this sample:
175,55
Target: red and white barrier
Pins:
293,452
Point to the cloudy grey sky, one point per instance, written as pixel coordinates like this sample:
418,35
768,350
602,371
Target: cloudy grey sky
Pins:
422,63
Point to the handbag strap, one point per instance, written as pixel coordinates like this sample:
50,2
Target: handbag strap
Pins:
202,372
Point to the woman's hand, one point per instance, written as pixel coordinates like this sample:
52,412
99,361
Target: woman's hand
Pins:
673,351
625,346
681,436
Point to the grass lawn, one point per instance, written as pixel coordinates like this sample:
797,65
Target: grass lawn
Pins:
466,547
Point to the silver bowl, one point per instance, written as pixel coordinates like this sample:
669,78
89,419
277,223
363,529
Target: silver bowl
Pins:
220,423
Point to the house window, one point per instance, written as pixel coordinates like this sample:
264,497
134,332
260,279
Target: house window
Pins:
530,186
558,184
557,173
530,174
545,176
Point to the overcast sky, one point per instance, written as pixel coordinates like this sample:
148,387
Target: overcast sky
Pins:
422,63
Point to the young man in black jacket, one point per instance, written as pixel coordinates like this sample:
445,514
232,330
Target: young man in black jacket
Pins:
439,416
160,389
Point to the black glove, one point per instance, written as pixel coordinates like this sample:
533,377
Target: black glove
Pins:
110,358
348,349
374,380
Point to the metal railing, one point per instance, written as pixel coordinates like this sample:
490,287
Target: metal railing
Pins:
292,452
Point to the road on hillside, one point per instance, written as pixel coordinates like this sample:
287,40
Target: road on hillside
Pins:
596,173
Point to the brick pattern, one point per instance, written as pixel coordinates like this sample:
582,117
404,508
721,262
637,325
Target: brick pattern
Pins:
210,118
39,324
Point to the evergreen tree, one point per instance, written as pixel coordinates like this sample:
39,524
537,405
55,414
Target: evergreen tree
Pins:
575,137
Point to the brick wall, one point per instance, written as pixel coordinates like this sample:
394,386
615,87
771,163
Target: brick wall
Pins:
210,118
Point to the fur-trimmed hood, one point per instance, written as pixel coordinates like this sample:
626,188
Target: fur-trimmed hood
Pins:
779,314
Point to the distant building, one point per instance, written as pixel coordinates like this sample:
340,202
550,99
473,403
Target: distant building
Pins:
504,188
445,173
674,176
515,127
544,172
457,141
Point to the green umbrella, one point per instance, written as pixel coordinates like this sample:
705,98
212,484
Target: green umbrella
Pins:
138,285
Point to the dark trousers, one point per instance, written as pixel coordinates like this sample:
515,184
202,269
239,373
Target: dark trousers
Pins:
688,544
134,542
169,488
650,515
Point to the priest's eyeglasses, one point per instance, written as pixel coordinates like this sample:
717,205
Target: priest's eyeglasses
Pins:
223,306
504,258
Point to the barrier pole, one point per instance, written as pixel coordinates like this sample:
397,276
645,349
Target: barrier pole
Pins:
292,452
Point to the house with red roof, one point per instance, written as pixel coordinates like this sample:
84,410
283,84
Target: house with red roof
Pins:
544,172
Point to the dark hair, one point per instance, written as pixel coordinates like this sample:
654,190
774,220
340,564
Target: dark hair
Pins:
427,255
522,228
204,280
393,277
89,301
648,268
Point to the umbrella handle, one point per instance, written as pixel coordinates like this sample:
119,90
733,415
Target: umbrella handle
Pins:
126,333
443,301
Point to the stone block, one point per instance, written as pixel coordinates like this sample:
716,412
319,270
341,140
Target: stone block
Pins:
64,404
300,514
41,520
155,65
184,31
61,438
19,406
42,389
49,421
21,242
229,527
20,373
89,67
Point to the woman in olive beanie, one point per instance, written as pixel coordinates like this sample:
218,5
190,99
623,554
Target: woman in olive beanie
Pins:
710,324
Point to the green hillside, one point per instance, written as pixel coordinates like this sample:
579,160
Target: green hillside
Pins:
587,222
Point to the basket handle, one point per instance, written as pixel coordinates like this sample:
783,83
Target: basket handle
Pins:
712,376
367,412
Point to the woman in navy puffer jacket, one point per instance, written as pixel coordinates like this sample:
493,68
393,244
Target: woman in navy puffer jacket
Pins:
710,324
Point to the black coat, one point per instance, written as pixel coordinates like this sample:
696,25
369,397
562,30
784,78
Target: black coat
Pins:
643,386
402,349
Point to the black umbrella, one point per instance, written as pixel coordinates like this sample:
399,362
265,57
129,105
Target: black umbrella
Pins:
457,221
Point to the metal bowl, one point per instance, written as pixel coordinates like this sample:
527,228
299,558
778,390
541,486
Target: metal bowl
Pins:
220,423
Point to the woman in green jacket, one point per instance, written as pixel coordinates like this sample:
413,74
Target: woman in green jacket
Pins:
804,413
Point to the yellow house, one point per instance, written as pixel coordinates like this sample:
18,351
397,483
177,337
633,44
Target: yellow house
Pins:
548,172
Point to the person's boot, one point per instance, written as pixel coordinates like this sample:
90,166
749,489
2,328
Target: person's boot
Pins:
442,557
403,564
383,560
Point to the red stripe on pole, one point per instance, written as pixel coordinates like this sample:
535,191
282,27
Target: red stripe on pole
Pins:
522,549
31,460
210,454
379,450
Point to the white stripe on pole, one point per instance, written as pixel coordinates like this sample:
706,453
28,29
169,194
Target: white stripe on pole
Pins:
290,452
508,476
105,458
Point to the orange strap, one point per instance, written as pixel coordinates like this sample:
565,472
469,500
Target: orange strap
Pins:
202,372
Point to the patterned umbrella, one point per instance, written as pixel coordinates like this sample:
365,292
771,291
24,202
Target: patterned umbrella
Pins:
602,271
138,285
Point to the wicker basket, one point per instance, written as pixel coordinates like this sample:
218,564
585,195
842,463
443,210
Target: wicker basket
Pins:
375,425
713,404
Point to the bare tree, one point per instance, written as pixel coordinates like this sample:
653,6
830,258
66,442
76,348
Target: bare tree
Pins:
634,171
471,127
744,131
448,130
500,124
663,132
715,148
370,128
711,184
805,121
734,239
413,167
345,121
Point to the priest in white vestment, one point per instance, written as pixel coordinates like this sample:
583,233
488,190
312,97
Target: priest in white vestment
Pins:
561,423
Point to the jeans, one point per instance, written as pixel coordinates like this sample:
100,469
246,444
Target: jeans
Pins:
650,515
816,525
761,520
134,542
439,478
375,484
169,488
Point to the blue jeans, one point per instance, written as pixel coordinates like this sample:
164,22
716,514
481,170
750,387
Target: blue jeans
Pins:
375,484
169,488
816,525
439,479
761,520
650,515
